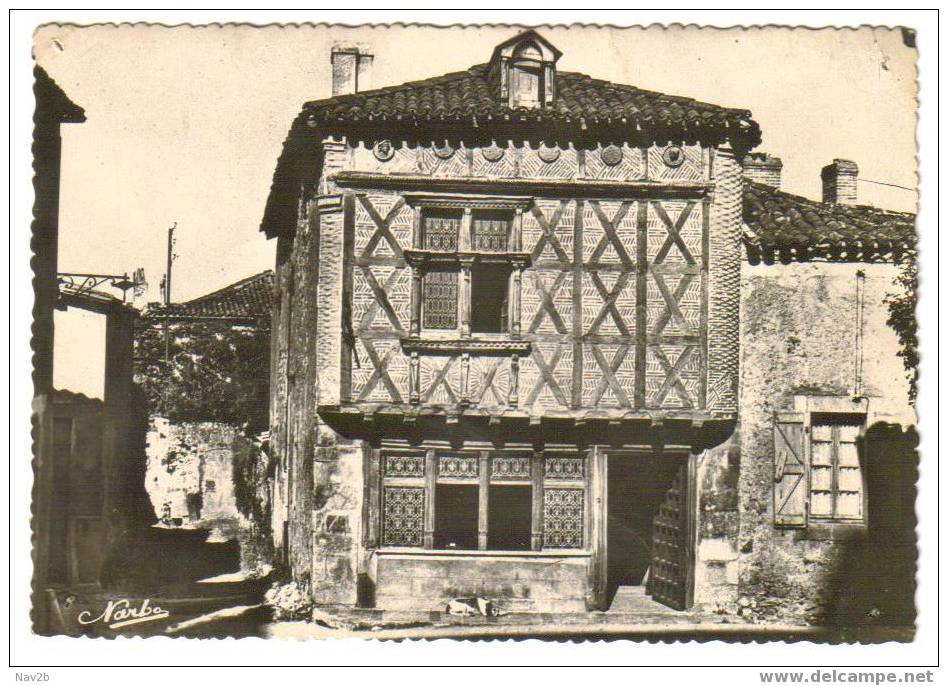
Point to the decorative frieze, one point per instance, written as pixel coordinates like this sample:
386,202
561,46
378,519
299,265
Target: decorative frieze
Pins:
404,466
458,467
509,468
564,468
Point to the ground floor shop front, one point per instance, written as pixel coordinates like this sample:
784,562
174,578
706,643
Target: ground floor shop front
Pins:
551,530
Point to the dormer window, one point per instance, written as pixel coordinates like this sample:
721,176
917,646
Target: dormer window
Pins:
525,81
526,68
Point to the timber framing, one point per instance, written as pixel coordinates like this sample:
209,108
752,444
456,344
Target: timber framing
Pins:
571,188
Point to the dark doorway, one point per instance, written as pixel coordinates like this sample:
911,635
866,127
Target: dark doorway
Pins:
58,571
637,487
508,518
456,516
489,287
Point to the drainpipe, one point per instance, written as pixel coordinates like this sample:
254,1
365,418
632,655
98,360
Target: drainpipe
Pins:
860,319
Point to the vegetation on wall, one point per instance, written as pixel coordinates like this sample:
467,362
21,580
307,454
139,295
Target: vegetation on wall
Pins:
903,320
212,373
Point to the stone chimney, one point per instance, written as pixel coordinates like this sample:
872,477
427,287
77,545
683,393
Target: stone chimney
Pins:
351,70
839,182
763,168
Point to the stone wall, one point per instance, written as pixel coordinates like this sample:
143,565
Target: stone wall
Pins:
189,476
799,326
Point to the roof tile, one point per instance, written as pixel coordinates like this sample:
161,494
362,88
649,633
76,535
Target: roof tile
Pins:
779,221
249,299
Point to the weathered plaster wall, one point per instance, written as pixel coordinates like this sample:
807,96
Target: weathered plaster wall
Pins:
716,550
799,337
192,459
521,583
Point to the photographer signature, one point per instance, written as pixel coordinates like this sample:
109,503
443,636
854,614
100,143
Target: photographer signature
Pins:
119,613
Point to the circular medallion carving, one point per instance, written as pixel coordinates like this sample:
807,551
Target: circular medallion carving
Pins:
493,153
673,156
383,150
611,155
549,153
444,152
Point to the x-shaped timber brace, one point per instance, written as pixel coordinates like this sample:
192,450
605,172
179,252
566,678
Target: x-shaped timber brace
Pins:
632,338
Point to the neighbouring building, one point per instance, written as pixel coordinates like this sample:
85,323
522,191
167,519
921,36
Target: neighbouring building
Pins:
203,366
536,338
86,452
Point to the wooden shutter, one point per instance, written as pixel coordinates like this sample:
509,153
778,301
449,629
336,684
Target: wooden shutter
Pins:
790,482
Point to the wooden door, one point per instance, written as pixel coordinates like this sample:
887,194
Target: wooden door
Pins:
671,576
598,507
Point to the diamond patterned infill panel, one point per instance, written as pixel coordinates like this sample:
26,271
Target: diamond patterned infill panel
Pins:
563,517
400,226
455,165
403,160
431,368
564,167
631,166
534,316
655,376
395,364
692,169
367,312
594,302
459,467
510,468
563,229
504,168
593,232
690,233
596,391
489,381
404,466
689,304
403,516
536,393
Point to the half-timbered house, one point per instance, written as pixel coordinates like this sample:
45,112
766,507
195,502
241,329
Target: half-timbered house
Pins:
506,341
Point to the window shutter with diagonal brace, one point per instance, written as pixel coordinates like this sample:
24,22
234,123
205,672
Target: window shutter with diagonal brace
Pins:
790,477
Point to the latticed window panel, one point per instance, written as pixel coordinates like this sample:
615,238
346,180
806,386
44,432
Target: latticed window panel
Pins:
405,466
440,300
440,229
563,517
403,517
491,231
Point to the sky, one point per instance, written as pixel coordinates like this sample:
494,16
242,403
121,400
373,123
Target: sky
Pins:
185,124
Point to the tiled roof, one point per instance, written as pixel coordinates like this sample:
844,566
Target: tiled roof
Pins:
580,99
248,299
782,226
469,101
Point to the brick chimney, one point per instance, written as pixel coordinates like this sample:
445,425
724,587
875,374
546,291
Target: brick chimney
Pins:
763,168
351,70
839,182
